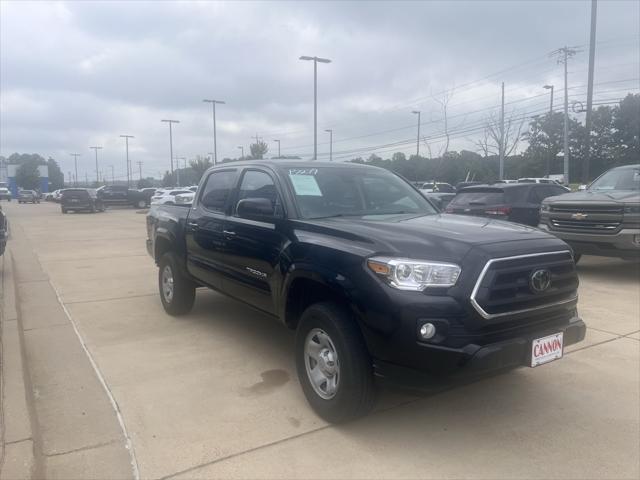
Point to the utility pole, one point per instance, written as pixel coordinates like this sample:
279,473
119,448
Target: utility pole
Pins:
549,87
215,148
95,149
330,132
170,122
501,146
315,99
564,54
242,149
587,121
126,143
139,170
75,163
113,176
417,112
86,179
69,177
278,142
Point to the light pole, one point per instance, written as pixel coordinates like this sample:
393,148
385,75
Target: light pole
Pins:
330,131
278,142
242,149
75,163
113,176
417,112
95,149
170,122
315,99
126,143
549,87
215,148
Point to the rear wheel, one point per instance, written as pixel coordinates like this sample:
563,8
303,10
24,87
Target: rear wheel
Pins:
177,291
333,364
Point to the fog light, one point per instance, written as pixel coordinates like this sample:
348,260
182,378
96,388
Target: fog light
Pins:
427,331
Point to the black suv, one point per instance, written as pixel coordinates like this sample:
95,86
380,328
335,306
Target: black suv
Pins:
515,202
375,281
122,195
80,199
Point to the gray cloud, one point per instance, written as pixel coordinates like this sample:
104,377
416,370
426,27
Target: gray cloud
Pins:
80,73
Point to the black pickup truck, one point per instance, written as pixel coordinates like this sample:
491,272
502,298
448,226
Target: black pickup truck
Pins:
376,282
121,195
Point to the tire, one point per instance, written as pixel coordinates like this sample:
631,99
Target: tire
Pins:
577,257
179,299
64,210
141,204
354,392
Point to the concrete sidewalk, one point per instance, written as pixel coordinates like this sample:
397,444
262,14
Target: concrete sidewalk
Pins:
76,430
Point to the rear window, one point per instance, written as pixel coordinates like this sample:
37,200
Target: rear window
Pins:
478,198
70,193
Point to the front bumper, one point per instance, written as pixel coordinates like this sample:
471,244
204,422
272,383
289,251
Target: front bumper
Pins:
621,244
474,361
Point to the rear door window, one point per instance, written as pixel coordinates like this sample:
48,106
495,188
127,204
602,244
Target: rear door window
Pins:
217,189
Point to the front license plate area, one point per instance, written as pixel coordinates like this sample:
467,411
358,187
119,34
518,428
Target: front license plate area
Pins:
547,349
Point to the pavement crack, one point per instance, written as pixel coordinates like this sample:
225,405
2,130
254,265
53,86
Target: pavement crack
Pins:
94,300
81,449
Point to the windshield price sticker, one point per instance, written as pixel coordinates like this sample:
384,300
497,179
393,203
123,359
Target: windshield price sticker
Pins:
305,183
303,171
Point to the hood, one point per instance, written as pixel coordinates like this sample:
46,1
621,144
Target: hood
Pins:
443,236
613,196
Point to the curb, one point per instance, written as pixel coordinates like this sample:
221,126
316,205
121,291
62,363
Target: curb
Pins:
19,459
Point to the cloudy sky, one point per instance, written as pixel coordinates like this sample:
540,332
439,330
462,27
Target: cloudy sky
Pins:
75,74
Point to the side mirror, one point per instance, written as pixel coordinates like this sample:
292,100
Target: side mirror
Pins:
255,207
582,187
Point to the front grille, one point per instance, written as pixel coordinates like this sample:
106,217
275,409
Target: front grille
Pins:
504,286
600,226
589,210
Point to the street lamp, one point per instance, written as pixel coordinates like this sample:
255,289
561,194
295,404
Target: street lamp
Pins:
215,148
278,142
315,99
170,122
417,112
95,149
550,87
126,143
242,149
75,163
330,131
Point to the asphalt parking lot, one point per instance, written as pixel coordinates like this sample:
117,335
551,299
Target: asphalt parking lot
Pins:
215,394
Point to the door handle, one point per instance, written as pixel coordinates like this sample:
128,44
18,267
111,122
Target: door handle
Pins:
229,233
193,226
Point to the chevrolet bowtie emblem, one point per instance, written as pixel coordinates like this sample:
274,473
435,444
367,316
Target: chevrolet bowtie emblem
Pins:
579,216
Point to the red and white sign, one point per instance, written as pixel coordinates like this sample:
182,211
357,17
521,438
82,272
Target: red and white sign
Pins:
546,349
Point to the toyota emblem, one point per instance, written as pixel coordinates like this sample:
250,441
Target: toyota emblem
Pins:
540,280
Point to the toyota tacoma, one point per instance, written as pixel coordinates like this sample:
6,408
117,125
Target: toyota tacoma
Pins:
375,281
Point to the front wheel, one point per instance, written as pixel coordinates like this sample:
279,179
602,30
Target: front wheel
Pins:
334,367
177,291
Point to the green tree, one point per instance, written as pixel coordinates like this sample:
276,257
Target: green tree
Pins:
258,150
199,166
56,177
27,175
626,136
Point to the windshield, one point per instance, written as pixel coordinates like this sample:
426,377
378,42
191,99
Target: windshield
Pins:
334,191
465,199
618,179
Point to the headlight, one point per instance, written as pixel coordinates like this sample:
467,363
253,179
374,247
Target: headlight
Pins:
544,208
416,275
632,209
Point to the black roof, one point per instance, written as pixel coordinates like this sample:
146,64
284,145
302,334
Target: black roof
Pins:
292,164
